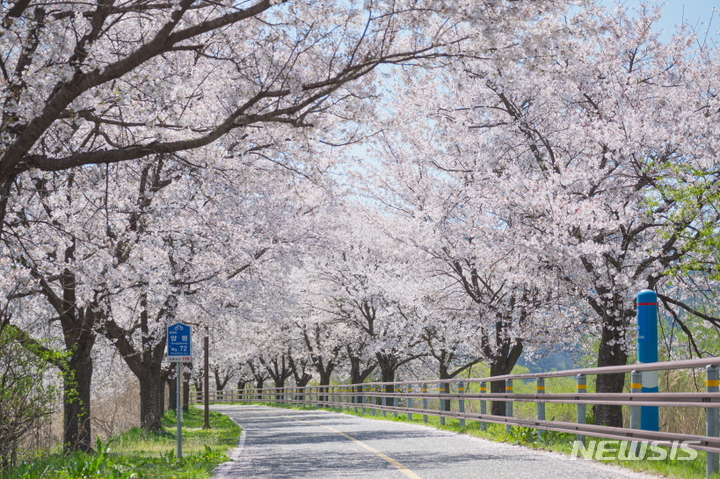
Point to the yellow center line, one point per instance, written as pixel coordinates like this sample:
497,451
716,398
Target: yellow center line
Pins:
389,459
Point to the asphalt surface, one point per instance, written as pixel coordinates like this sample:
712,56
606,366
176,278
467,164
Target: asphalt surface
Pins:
289,443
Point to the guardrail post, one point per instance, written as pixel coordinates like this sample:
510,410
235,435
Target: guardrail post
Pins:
581,408
441,404
635,387
385,400
461,403
365,398
425,401
483,405
711,418
372,399
508,404
395,399
540,389
409,402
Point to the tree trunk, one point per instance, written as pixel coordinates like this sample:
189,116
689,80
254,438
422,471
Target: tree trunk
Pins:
610,353
151,401
500,364
164,375
172,395
78,326
279,371
358,374
77,434
445,374
146,362
187,372
302,378
388,368
324,383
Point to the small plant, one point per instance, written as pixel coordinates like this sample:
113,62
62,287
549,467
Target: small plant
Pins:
522,435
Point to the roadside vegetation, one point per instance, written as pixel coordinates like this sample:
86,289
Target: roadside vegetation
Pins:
136,454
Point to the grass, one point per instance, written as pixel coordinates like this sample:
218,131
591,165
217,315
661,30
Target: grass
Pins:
551,441
136,454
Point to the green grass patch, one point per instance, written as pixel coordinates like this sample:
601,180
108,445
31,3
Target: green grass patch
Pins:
136,454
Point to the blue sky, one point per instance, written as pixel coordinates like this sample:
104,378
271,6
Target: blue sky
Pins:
701,14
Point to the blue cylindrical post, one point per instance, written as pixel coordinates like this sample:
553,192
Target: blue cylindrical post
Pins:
647,323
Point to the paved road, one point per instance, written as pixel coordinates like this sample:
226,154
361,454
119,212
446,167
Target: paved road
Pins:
287,443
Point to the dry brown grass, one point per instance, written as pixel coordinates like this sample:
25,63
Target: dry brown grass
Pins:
683,420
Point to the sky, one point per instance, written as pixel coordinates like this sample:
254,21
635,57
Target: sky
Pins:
703,15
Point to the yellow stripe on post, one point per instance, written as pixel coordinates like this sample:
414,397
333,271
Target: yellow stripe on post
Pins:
712,383
582,386
541,388
636,386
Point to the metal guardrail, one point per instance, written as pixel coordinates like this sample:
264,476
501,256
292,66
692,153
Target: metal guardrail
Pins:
414,397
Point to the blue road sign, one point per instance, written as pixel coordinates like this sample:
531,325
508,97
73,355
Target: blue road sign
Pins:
178,342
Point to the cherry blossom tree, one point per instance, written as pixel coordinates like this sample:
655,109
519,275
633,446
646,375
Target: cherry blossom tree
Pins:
478,298
564,145
106,83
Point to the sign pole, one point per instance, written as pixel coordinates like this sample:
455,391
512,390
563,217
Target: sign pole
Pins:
647,346
179,343
179,382
206,381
